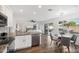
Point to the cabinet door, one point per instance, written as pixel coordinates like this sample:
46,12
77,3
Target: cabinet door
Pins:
28,41
20,42
35,40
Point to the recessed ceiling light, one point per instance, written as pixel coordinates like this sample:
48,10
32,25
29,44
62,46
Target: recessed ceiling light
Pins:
39,6
34,13
21,10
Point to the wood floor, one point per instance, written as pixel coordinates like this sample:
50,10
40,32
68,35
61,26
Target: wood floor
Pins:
46,50
36,50
50,49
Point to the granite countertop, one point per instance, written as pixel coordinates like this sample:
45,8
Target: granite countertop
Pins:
26,33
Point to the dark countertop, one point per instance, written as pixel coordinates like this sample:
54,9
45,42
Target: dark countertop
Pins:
26,33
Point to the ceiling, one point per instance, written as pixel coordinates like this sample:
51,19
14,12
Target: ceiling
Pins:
23,13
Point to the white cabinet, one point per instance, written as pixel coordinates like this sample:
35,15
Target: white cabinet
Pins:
19,42
22,42
28,40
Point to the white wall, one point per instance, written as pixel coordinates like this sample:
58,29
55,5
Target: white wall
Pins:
55,24
41,26
23,24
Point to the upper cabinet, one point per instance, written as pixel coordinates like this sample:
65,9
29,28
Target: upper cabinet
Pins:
3,20
3,17
3,10
6,14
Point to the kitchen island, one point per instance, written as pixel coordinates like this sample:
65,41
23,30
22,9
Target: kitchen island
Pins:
27,40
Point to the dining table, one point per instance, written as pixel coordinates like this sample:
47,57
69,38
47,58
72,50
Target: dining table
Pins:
65,35
64,40
56,37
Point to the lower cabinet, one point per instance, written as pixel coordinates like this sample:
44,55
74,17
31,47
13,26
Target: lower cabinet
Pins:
22,42
27,41
35,40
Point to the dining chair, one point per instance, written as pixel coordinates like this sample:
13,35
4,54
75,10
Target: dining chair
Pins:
73,40
64,41
52,38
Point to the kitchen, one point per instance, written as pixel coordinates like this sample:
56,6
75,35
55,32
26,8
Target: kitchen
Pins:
29,26
26,39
